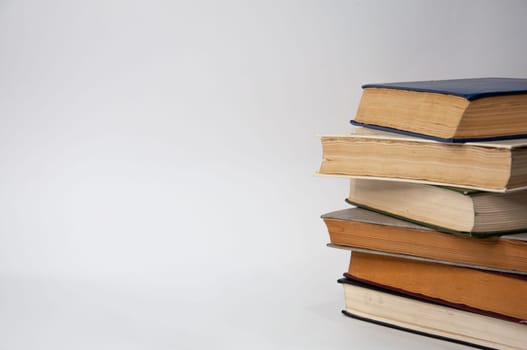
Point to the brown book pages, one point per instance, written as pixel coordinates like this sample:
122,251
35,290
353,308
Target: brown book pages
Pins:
360,228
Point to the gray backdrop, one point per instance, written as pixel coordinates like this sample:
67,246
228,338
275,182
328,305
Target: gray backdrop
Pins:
157,162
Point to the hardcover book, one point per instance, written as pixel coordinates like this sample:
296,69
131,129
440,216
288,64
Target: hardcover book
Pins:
497,166
456,110
364,229
399,311
446,209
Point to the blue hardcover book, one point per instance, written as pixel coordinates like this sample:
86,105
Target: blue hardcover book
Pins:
456,110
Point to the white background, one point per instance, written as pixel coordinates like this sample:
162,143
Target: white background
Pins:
157,161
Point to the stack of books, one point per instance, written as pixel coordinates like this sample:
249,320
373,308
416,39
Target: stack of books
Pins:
437,214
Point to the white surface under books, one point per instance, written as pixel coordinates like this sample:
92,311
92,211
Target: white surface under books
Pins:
241,311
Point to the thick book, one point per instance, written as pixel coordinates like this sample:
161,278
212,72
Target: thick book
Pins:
446,209
489,293
364,229
497,166
399,311
456,110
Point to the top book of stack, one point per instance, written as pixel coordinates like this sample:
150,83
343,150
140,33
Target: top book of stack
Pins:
457,110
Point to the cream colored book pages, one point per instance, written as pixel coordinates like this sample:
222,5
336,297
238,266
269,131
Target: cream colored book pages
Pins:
378,155
429,204
435,319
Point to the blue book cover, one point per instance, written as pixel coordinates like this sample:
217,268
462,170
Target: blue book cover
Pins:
470,89
436,138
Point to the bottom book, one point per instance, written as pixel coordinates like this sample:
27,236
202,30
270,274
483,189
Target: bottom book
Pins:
392,309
